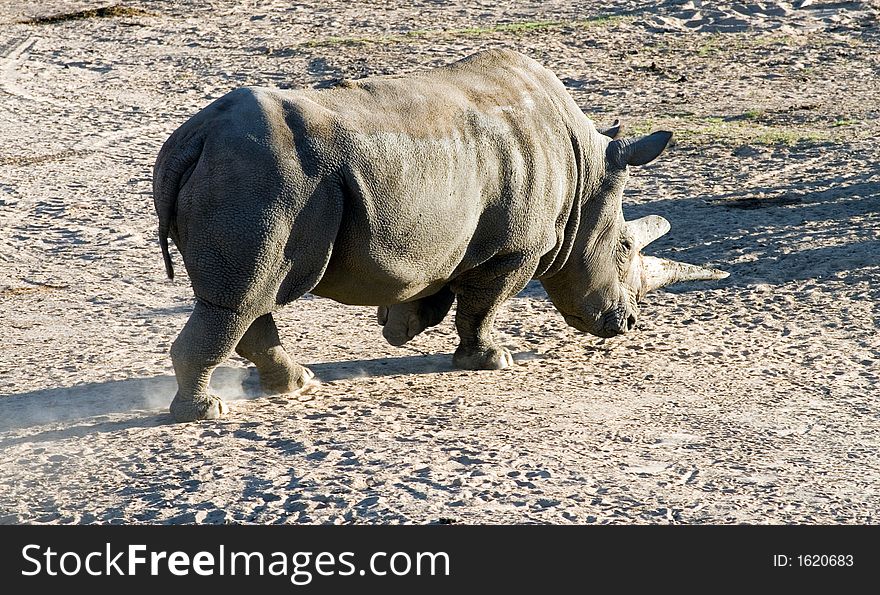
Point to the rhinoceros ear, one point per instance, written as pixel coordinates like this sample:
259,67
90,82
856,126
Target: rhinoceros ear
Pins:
613,131
637,151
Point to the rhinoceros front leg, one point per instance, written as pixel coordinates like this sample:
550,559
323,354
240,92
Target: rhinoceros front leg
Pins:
278,372
402,322
478,302
207,339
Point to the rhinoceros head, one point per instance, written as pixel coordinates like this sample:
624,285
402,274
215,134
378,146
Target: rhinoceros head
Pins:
606,276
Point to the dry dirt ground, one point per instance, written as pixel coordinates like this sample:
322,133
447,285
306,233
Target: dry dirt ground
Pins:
749,400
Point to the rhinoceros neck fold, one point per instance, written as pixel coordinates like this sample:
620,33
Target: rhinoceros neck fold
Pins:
568,221
584,187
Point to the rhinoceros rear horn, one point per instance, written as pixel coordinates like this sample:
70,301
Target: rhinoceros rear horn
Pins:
613,131
659,272
637,151
647,229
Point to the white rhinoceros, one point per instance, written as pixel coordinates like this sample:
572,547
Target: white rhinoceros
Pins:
404,192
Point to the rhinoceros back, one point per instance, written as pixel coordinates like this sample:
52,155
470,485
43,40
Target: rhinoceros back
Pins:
443,170
377,191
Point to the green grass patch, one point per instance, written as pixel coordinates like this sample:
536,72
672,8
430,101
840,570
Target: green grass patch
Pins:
774,136
711,44
499,28
738,131
519,28
844,122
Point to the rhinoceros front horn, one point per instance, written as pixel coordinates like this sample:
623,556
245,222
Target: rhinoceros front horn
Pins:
660,272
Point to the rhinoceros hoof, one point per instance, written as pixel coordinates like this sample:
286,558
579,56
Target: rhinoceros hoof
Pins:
201,407
305,380
491,358
286,380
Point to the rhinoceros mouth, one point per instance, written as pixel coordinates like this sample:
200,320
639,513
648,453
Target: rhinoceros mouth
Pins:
585,326
609,325
618,322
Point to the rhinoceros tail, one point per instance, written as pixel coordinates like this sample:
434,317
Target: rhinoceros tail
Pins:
163,243
173,167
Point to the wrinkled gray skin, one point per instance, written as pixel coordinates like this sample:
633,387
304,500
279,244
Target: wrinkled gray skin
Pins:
459,183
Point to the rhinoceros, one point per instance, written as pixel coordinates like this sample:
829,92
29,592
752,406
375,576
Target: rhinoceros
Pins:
463,183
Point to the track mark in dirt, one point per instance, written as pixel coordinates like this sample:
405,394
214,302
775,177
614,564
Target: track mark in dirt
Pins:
32,289
87,147
8,67
104,12
36,159
16,45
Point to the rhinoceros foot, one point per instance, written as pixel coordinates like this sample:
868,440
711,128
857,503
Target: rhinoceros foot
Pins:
285,379
204,406
402,322
486,358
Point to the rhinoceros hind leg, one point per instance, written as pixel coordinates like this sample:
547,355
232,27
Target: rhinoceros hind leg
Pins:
207,339
480,295
402,322
261,344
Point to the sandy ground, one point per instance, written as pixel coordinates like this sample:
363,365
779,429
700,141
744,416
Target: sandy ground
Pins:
749,400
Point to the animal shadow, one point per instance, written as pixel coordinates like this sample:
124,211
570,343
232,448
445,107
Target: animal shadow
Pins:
153,395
